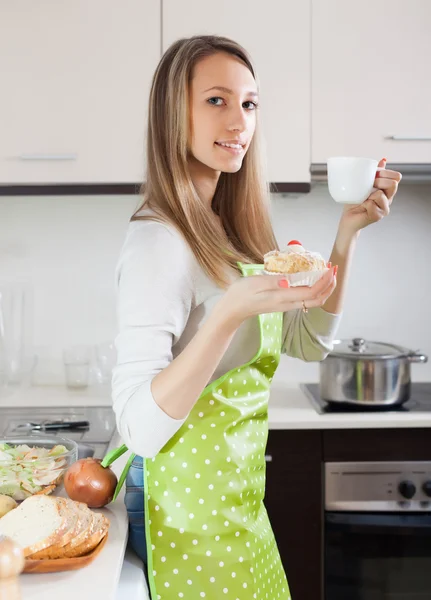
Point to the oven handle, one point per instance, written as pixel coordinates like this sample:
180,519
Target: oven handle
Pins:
379,523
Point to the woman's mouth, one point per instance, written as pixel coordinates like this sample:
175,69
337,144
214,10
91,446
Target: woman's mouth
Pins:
231,147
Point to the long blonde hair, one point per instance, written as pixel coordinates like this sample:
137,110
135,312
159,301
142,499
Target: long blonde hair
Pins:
241,199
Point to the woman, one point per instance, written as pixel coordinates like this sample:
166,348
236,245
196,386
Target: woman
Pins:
194,367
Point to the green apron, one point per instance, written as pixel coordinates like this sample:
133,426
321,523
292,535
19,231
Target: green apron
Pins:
207,529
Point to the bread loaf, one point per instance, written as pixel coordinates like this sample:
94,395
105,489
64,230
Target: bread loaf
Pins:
50,528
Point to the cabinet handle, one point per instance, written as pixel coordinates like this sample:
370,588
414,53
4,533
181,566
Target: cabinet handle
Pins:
48,157
409,138
268,458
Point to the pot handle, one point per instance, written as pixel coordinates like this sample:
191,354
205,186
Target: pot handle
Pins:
417,357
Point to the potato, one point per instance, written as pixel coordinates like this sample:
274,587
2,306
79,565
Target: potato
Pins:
6,504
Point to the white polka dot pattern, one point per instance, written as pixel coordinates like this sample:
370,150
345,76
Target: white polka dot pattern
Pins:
210,535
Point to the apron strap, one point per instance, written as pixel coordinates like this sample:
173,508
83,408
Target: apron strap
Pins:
250,269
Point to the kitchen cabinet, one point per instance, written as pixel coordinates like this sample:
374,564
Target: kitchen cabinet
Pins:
371,90
277,35
294,504
295,489
75,83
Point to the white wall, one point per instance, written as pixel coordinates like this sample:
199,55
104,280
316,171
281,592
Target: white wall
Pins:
67,247
388,292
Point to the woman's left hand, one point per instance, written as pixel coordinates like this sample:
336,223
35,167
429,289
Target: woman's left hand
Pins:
376,206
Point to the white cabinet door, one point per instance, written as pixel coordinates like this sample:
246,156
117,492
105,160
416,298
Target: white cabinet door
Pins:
277,35
75,79
371,79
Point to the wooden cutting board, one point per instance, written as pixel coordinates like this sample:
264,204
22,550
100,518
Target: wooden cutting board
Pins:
63,564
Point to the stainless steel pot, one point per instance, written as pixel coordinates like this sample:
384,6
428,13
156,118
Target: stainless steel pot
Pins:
367,373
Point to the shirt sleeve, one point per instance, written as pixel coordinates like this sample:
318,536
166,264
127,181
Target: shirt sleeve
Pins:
155,295
309,336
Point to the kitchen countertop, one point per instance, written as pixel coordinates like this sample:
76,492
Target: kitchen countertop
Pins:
289,409
98,580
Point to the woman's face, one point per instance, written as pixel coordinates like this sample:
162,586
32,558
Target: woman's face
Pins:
223,101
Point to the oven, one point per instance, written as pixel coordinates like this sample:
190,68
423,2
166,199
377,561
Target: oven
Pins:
377,531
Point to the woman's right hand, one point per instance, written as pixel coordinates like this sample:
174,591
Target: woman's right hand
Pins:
260,294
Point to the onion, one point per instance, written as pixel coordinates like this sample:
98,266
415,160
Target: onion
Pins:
87,481
11,558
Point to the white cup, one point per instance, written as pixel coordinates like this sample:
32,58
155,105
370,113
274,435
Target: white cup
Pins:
351,179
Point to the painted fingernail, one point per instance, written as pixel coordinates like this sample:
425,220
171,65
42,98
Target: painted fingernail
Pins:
335,270
283,283
329,265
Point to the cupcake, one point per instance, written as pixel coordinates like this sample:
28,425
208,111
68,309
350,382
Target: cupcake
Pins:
300,266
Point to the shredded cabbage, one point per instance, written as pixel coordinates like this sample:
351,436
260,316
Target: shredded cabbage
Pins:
25,471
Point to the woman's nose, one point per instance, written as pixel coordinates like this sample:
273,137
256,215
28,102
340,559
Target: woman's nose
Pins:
237,120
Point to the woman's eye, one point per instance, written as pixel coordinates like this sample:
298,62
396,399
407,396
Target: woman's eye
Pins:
216,101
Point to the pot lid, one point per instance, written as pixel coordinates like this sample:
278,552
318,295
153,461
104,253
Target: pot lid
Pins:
360,348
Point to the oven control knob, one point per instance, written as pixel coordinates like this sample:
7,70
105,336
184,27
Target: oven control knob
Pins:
426,488
407,489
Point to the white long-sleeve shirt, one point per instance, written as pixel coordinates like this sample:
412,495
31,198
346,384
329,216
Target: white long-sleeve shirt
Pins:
163,297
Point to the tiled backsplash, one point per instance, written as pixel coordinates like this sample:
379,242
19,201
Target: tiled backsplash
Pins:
68,246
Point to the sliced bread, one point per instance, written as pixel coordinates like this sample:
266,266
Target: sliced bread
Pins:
75,518
100,529
37,523
87,529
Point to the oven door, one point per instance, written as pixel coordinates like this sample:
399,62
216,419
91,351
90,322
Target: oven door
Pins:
377,556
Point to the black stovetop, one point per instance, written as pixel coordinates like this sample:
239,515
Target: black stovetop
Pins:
420,401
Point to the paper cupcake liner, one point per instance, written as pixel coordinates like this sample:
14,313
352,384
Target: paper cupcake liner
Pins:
307,278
